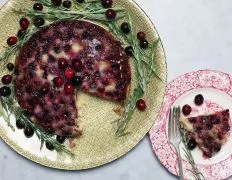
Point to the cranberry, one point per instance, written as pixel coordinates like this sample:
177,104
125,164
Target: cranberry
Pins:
209,126
60,139
129,51
80,1
186,109
226,127
101,90
26,106
69,73
110,14
56,2
144,43
141,104
49,146
68,87
12,40
67,48
77,64
38,21
20,124
198,128
10,66
199,99
98,47
217,148
62,63
105,81
38,7
57,49
21,32
208,138
192,144
29,132
207,154
58,81
192,120
141,35
215,120
24,23
5,91
67,4
6,79
107,3
125,27
45,89
76,81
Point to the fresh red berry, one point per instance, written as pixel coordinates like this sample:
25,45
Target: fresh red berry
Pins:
111,14
144,43
69,73
67,4
21,32
58,81
49,146
60,139
199,99
141,104
129,51
38,7
77,64
20,124
10,66
68,88
29,132
12,40
24,23
125,27
186,109
107,3
76,80
62,63
6,79
56,2
38,21
45,89
5,91
192,144
141,35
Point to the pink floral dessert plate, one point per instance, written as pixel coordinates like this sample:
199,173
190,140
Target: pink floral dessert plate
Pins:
216,88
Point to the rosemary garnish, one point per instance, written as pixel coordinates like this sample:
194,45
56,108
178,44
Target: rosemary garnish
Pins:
11,108
52,14
92,10
144,70
195,171
12,50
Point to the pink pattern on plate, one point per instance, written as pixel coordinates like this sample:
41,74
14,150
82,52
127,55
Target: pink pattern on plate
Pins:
194,80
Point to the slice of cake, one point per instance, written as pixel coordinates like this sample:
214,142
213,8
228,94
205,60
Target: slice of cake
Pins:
209,132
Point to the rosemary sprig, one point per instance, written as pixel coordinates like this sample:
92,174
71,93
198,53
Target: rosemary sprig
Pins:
144,71
195,171
12,50
10,106
6,115
129,108
92,10
57,14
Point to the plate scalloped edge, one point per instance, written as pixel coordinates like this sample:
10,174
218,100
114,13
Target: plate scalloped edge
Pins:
106,158
198,79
